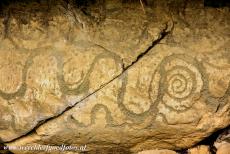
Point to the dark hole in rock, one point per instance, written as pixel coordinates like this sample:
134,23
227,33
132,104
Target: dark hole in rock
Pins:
216,4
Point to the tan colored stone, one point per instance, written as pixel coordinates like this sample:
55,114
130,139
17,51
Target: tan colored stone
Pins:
127,81
201,149
224,148
157,152
48,68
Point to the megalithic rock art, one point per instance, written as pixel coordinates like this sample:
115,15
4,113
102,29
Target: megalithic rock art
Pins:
117,78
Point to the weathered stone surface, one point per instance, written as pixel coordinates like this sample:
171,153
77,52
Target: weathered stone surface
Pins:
202,149
222,143
223,148
157,152
46,69
132,80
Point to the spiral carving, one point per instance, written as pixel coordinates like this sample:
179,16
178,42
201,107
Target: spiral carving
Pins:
180,82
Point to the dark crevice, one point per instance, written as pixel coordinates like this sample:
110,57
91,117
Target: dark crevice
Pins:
184,151
216,4
209,141
162,35
3,149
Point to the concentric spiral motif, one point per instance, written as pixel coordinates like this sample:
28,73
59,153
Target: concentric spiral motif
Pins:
180,82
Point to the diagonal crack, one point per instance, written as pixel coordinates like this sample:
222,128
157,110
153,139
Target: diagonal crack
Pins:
162,35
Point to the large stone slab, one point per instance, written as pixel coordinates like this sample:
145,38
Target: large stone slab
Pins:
49,62
169,95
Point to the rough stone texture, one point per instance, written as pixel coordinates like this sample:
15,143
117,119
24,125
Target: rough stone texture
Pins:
222,144
202,149
48,68
223,148
125,79
157,152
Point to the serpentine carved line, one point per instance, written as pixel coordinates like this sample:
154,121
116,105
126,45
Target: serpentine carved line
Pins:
181,82
64,88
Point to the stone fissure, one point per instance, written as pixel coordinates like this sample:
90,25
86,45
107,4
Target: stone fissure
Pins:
162,35
112,67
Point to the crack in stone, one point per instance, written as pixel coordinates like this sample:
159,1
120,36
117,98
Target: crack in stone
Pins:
164,32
